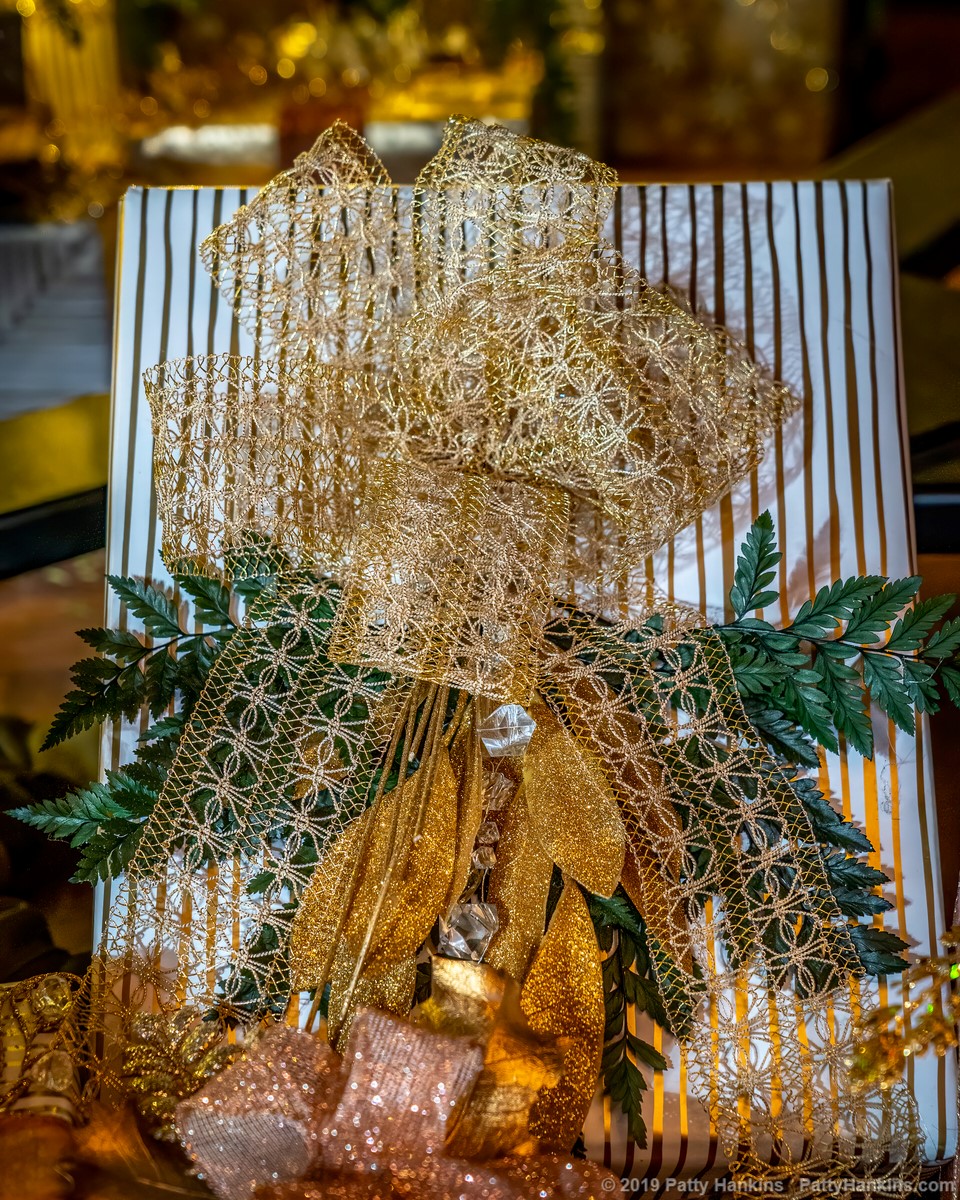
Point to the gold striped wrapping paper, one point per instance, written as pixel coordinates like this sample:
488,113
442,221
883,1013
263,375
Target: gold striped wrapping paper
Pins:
805,274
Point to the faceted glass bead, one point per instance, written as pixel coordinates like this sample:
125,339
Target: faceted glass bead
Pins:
51,999
506,733
498,788
488,834
54,1072
484,858
468,930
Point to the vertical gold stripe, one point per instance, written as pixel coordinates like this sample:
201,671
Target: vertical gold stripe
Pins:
656,1135
807,399
683,1116
192,277
607,1134
776,1078
853,397
881,517
213,886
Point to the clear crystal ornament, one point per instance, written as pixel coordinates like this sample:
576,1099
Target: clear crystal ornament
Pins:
484,858
468,930
488,834
52,999
498,789
506,733
54,1072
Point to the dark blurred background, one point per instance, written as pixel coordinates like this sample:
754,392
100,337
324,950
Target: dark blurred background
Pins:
98,94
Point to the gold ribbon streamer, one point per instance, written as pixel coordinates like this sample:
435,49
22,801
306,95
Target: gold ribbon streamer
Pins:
404,883
563,998
467,762
572,811
519,886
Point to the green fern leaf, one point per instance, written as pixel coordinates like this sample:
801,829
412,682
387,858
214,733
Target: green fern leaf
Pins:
150,604
843,688
755,569
872,619
211,600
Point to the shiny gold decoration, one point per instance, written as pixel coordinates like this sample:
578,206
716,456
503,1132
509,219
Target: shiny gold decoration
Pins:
35,1017
477,1001
573,812
414,1108
167,1058
563,998
451,576
519,886
389,886
927,1020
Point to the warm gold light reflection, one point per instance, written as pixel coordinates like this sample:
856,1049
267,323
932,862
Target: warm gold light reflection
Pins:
817,79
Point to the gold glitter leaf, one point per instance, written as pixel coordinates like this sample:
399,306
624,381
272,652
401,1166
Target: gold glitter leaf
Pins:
563,998
404,879
573,812
519,885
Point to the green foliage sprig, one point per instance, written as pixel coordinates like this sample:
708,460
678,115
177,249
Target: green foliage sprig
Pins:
133,671
627,979
162,667
858,640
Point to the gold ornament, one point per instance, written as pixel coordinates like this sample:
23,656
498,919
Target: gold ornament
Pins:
927,1020
168,1057
415,1108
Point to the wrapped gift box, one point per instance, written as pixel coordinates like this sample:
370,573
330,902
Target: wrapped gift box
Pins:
805,275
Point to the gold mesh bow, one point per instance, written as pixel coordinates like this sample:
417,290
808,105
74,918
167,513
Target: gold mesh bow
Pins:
481,325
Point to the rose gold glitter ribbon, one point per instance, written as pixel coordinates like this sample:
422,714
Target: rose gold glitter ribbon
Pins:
421,1108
